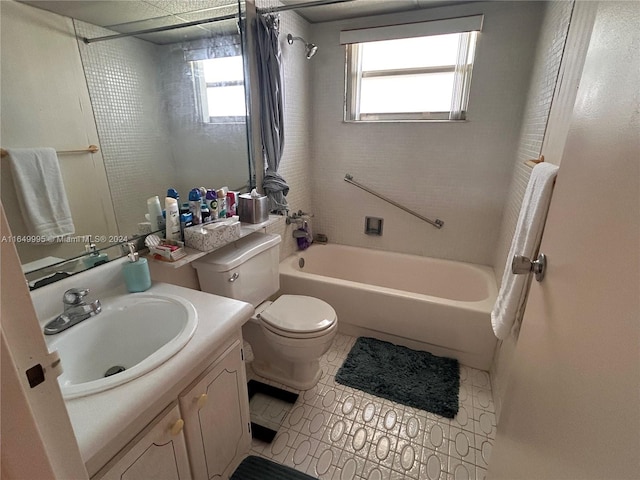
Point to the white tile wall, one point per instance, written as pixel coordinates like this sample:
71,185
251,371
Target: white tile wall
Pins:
458,172
338,432
125,91
547,60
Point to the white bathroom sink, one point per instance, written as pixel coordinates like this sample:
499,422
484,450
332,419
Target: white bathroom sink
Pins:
137,331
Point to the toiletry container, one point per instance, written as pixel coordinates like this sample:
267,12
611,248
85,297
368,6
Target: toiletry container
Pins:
212,203
253,207
195,206
155,213
222,203
205,213
136,272
94,257
172,220
232,201
186,220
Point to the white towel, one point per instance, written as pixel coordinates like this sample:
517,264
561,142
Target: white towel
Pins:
41,195
526,241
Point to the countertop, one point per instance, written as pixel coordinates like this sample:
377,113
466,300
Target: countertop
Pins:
192,254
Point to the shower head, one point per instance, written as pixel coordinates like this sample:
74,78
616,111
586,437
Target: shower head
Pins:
310,48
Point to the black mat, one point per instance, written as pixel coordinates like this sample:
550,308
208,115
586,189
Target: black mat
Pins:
417,379
258,468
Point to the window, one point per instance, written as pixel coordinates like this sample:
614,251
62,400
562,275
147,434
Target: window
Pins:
415,77
220,89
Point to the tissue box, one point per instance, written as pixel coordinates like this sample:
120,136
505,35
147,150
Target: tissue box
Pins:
168,250
212,235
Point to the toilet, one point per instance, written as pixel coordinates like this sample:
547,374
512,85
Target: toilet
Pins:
289,335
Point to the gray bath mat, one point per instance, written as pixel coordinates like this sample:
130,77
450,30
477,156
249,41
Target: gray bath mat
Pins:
258,468
417,379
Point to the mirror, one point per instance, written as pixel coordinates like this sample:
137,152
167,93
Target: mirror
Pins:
167,110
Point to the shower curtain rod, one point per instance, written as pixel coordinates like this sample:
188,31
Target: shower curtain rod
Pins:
160,29
294,6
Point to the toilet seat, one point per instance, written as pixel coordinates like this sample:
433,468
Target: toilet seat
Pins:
299,316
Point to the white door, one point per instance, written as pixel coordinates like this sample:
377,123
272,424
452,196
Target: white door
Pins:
37,439
571,408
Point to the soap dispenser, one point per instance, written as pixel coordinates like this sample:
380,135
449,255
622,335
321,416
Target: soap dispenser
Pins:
136,271
94,257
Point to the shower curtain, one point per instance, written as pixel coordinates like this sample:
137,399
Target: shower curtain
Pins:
271,110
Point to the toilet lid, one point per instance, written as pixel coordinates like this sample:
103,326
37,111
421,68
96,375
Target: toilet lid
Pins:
299,314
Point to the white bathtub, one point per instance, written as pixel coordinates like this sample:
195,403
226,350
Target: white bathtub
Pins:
423,303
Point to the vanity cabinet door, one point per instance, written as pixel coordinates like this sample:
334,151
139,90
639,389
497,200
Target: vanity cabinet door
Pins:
216,414
159,452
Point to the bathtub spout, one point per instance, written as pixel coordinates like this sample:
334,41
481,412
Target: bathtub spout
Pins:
301,234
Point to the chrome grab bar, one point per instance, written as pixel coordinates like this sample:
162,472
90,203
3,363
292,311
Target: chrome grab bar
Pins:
436,223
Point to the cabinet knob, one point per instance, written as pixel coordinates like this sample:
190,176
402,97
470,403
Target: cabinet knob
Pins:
202,399
177,427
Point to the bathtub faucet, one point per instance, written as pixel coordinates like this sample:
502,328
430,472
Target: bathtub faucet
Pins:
298,217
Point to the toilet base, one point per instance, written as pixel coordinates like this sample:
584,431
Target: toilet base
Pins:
300,375
302,381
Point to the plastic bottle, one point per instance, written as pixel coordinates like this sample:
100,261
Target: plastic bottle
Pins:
136,272
203,195
205,213
232,199
94,257
222,203
173,219
195,206
212,203
186,220
155,213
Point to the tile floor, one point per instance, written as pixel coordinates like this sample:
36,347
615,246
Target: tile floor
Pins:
337,432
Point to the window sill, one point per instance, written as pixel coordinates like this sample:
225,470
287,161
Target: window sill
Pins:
405,121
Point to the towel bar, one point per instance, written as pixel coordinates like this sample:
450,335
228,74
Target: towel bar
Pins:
89,149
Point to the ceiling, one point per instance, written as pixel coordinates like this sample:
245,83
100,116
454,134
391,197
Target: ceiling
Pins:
135,15
362,8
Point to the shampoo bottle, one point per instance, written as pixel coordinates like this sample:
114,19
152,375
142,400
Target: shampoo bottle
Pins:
173,219
136,272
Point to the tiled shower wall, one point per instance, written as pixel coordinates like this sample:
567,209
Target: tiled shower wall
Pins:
131,121
295,165
458,172
553,35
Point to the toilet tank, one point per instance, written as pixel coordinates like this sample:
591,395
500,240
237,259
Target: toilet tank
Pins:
246,269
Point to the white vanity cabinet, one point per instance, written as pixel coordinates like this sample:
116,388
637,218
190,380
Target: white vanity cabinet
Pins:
204,436
216,414
158,452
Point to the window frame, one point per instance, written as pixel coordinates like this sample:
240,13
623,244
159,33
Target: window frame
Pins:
462,70
201,86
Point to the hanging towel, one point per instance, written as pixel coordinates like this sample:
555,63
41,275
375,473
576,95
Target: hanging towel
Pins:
526,241
41,195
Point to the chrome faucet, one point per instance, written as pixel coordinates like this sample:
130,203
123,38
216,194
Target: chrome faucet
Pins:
75,311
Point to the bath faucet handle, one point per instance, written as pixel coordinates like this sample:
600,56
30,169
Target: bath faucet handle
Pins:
74,296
